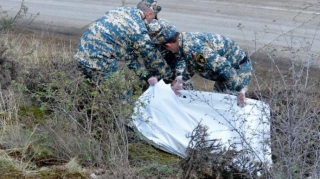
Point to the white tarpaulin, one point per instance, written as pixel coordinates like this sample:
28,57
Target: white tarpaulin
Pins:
165,119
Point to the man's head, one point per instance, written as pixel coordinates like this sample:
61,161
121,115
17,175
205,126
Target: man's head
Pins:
152,4
163,32
150,8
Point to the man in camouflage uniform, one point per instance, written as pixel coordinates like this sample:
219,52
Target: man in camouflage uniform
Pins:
121,35
209,55
174,61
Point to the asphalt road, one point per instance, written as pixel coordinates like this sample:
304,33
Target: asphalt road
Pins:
252,23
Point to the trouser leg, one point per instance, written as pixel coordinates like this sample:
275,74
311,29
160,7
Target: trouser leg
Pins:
93,74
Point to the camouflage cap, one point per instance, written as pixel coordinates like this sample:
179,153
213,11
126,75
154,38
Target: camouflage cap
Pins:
154,28
161,31
153,5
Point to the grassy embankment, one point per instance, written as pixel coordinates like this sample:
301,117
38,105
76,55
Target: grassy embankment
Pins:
56,124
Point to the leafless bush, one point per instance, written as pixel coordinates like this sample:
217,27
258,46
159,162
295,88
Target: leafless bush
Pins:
210,159
293,96
74,117
294,100
9,71
87,120
6,20
286,82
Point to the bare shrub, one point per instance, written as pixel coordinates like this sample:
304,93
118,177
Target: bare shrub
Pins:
85,119
285,80
9,71
74,117
9,107
7,20
293,95
18,151
210,159
294,99
50,114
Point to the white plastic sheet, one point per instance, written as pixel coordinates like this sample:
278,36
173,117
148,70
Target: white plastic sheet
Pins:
165,119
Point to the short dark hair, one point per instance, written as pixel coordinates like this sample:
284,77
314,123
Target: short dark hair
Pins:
173,39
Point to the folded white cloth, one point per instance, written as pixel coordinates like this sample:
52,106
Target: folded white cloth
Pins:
165,119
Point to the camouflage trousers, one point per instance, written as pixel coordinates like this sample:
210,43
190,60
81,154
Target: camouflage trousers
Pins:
94,74
98,76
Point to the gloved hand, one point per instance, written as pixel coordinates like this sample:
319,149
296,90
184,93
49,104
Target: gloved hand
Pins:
177,85
179,81
241,98
152,81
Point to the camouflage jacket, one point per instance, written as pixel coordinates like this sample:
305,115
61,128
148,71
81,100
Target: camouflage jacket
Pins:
174,60
121,34
213,57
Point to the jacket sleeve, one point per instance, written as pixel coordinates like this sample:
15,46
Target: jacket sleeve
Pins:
174,60
152,58
178,65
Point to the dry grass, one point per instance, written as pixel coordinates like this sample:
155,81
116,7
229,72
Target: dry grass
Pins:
56,124
52,116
